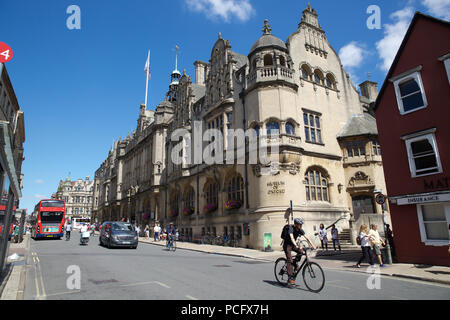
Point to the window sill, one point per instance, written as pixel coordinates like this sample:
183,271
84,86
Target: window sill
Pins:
424,175
411,111
437,243
316,143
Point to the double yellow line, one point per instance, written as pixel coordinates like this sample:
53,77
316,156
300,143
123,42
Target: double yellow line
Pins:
40,292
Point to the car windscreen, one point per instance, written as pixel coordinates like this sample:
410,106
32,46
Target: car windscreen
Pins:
52,216
122,227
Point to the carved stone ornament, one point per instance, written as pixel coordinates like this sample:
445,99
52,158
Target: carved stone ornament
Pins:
360,178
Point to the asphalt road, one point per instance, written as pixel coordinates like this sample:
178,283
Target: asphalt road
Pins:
152,273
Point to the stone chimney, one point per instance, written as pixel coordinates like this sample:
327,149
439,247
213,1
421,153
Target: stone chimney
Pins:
369,90
200,72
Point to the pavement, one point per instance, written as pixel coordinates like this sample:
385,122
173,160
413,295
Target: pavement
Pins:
327,260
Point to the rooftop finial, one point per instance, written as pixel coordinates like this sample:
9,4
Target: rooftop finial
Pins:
177,48
267,29
220,35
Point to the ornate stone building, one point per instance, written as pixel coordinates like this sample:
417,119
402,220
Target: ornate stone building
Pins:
78,196
329,160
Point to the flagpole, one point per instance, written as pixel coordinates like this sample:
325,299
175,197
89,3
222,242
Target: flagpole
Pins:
147,74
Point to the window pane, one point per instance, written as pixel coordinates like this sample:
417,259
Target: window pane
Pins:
319,136
421,147
307,134
308,197
433,213
413,102
311,178
290,129
316,78
313,193
304,74
428,162
408,87
317,122
311,121
305,119
313,135
437,231
319,194
325,194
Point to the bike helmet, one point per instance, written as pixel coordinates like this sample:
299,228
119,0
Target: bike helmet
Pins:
298,221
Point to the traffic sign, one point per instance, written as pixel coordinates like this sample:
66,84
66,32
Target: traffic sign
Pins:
380,198
6,52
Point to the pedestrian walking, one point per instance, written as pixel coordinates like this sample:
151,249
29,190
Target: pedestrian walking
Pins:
323,236
364,241
156,231
147,232
335,238
376,242
138,230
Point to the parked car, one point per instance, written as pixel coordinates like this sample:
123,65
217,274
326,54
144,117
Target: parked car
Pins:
118,234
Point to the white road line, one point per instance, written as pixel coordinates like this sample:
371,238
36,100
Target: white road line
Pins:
191,298
137,284
38,294
63,293
162,284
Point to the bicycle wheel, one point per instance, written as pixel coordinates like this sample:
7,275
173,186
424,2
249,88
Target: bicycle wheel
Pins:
281,273
313,277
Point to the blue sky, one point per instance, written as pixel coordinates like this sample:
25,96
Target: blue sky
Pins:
81,89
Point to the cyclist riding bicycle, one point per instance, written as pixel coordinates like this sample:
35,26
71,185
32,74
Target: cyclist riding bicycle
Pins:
171,232
291,233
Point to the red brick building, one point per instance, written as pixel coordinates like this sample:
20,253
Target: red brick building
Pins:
413,119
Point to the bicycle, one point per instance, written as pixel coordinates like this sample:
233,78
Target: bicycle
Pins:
312,273
67,235
171,243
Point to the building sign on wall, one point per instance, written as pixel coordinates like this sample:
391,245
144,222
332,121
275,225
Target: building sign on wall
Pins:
276,187
423,199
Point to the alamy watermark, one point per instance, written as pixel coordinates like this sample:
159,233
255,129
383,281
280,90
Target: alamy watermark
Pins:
73,282
374,280
374,20
209,147
74,20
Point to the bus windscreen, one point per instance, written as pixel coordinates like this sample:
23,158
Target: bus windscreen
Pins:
52,217
52,204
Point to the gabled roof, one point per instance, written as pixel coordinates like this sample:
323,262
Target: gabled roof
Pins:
358,125
418,15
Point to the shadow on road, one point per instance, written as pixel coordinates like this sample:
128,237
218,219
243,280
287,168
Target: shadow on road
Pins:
276,284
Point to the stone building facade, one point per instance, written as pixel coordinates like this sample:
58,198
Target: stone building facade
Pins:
296,96
78,196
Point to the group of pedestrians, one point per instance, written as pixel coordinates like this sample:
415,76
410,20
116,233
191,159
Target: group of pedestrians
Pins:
323,236
371,243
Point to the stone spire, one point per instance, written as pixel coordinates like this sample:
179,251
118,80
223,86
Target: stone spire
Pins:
310,17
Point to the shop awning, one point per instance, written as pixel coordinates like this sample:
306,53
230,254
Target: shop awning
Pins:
7,158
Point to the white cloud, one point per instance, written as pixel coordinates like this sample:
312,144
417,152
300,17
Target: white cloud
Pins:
393,36
352,56
438,8
39,181
241,9
39,196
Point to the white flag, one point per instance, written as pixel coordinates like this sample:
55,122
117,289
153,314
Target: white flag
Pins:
147,67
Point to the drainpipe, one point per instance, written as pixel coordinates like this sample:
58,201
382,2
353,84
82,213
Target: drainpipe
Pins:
244,125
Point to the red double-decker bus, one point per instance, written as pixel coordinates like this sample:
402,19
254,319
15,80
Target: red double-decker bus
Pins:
47,220
3,204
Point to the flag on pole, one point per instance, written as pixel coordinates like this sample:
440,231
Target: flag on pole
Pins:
147,66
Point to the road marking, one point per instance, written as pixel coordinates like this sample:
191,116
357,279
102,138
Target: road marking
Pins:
137,284
63,293
341,287
398,298
191,298
162,284
38,294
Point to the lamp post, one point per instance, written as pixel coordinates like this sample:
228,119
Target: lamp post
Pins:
381,200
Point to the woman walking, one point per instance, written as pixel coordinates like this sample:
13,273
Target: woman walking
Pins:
323,236
365,246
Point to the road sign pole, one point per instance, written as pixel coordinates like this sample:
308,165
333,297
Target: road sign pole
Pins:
381,200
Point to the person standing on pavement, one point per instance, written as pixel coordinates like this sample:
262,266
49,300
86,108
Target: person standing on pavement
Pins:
138,230
156,231
335,238
377,242
323,236
365,246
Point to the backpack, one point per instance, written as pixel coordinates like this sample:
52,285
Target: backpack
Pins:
358,240
285,232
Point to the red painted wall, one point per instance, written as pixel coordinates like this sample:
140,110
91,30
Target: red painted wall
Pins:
421,49
428,41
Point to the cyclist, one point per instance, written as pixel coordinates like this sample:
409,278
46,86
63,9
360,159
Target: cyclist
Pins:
290,244
171,232
68,230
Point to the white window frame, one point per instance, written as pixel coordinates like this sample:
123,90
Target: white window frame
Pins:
412,75
446,60
412,166
423,233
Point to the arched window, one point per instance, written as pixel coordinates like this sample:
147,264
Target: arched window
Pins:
329,81
257,129
290,129
212,193
268,60
273,128
188,202
316,186
305,72
317,77
235,188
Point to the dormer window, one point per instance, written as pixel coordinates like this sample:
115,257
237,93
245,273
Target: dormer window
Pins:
410,92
